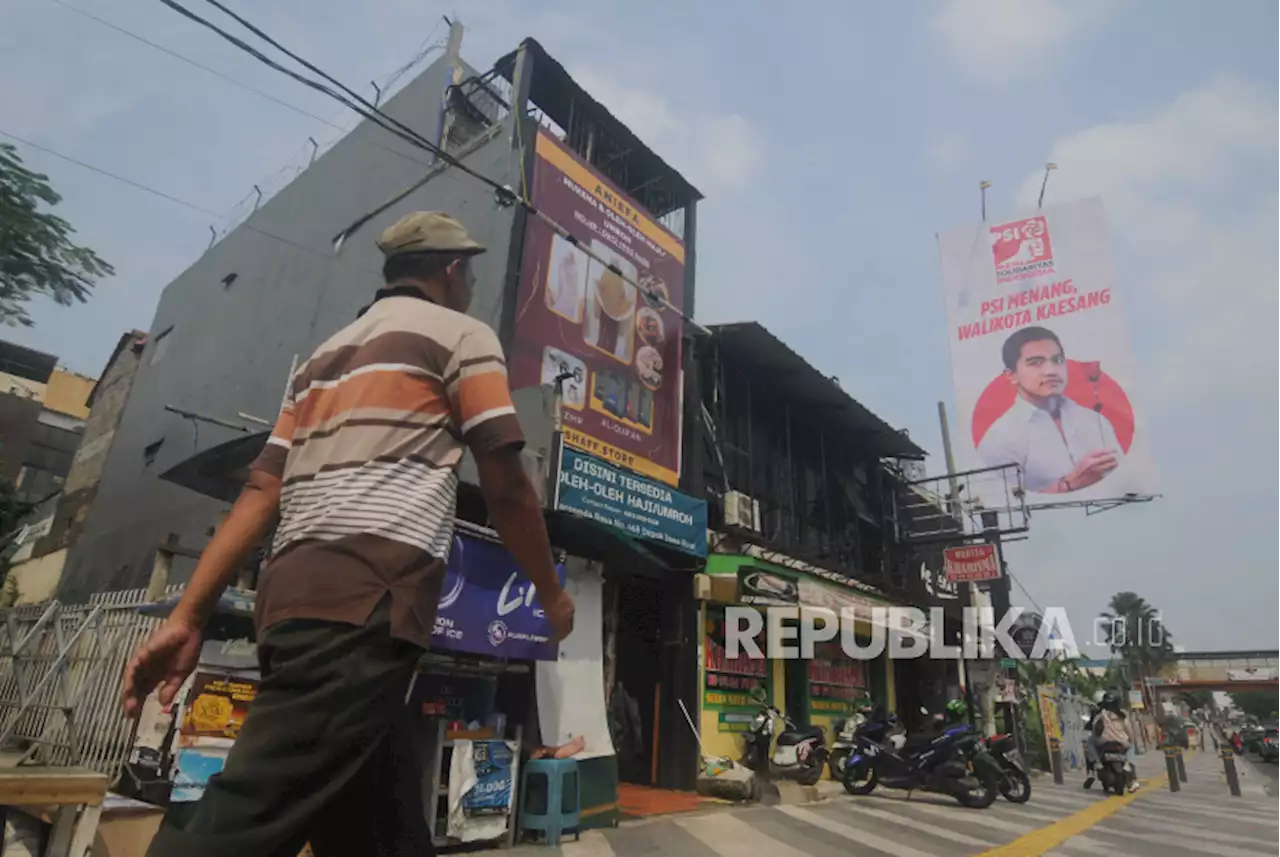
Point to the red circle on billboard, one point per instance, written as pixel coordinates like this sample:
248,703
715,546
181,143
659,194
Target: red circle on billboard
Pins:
1087,385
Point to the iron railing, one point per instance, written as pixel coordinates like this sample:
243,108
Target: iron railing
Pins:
61,676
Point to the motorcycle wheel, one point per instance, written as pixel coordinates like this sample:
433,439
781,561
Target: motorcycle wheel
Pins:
1015,786
981,797
859,779
836,762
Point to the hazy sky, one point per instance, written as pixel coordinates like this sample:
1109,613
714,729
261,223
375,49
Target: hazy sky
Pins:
832,140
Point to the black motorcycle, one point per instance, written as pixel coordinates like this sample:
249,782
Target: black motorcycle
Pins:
1114,772
950,759
1015,785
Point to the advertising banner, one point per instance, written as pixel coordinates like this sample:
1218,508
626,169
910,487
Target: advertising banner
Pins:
576,317
972,563
488,607
1044,373
639,507
737,685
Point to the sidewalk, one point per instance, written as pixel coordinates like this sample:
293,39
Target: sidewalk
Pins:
1205,774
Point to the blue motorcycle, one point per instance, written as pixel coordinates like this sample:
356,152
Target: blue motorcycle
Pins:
949,759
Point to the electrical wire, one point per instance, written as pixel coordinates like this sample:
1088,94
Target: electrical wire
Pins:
504,195
150,190
1034,603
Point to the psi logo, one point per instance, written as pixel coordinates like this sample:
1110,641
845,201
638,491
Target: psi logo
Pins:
1022,249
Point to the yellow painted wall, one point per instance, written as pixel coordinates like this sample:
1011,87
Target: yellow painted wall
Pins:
66,393
37,579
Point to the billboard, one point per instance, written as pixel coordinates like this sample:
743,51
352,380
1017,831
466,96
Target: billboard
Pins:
1044,373
576,317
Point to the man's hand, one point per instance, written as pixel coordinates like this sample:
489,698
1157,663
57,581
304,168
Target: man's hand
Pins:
164,660
559,612
1091,469
169,656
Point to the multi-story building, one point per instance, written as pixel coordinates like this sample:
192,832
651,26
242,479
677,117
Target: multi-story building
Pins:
807,504
40,549
43,409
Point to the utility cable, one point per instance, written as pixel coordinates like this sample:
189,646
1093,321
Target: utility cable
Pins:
157,193
504,195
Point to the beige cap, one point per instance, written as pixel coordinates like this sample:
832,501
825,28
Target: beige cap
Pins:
427,232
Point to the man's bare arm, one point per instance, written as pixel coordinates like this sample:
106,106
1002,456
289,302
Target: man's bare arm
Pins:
252,515
516,513
172,651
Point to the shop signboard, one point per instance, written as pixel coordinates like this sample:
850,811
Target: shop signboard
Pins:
738,685
1040,352
836,682
639,507
1047,697
583,318
764,587
971,564
489,607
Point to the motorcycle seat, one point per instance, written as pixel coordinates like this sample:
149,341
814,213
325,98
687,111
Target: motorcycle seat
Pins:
795,736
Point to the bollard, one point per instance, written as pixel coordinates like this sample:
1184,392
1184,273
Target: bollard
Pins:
1055,760
1171,766
1229,765
1182,767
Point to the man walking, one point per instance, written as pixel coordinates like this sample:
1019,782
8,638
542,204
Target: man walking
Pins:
361,470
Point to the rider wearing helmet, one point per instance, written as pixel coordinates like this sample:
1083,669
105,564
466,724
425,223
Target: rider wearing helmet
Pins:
1111,727
957,710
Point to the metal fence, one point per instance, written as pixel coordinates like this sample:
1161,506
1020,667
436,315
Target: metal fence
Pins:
61,675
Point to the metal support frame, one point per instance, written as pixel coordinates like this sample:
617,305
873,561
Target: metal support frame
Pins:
24,665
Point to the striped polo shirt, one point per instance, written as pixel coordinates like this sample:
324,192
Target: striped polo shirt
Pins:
368,446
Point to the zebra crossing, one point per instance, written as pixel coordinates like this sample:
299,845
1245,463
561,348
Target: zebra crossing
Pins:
1059,820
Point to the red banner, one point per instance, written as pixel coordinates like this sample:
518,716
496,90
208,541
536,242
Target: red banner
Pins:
971,564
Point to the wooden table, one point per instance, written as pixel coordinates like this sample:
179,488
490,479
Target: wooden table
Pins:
75,794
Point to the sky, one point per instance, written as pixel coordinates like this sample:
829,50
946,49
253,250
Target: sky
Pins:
832,140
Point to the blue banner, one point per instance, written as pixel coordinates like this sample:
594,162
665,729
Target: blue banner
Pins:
491,795
639,507
488,606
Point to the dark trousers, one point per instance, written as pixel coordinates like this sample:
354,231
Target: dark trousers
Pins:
324,756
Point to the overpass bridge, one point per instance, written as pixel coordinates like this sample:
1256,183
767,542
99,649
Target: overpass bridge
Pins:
1226,671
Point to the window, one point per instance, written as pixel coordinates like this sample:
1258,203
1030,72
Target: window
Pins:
161,345
150,452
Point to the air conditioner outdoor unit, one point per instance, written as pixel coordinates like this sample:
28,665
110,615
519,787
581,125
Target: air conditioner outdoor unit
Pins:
741,511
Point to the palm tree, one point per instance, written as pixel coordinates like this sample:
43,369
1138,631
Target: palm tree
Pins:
1137,635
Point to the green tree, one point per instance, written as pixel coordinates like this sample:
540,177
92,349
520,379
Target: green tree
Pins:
1261,704
1137,635
37,255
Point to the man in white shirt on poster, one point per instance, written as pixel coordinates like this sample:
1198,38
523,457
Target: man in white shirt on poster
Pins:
1061,446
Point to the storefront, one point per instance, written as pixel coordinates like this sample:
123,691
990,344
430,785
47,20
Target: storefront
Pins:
649,540
817,691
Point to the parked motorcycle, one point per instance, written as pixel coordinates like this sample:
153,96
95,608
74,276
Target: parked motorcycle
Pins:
950,760
1114,772
1015,785
800,754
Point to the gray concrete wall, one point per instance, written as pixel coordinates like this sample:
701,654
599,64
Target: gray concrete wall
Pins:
227,349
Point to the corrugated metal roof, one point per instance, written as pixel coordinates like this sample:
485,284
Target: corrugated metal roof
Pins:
750,345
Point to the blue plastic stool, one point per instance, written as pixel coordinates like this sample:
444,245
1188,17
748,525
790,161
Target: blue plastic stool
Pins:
550,799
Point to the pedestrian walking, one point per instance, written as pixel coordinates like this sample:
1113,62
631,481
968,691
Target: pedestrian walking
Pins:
361,471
